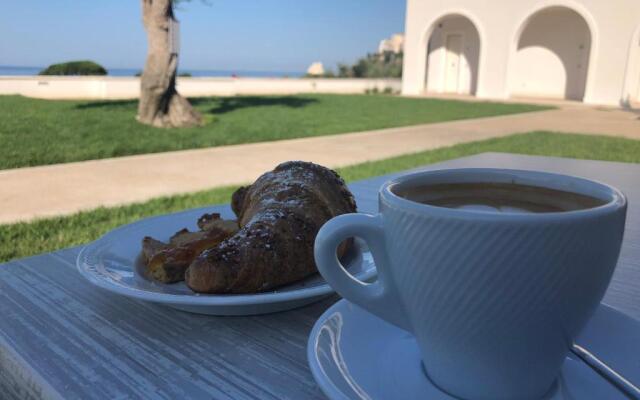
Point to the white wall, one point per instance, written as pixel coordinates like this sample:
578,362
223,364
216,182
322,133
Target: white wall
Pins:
552,56
632,81
612,24
437,55
61,87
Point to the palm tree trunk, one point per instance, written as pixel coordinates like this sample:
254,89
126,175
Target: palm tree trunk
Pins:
160,104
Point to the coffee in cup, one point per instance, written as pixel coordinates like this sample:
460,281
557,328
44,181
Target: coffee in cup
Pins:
498,197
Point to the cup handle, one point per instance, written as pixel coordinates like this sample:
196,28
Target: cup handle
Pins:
377,297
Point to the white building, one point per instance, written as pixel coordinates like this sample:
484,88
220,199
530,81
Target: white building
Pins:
393,44
315,68
585,50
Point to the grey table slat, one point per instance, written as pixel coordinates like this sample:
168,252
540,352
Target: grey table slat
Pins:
60,337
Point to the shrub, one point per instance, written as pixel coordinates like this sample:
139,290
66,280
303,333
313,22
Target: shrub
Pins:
74,68
327,74
379,65
372,91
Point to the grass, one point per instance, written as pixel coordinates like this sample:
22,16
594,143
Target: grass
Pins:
24,239
38,132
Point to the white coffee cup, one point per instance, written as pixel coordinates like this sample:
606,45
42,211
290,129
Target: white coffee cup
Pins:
494,299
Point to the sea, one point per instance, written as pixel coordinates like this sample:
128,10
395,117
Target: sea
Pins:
12,70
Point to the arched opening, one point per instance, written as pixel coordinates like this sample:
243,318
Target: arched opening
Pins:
551,59
453,54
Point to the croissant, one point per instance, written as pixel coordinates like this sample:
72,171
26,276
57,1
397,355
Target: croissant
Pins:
167,262
279,216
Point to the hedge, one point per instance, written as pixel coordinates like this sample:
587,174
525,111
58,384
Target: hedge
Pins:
75,68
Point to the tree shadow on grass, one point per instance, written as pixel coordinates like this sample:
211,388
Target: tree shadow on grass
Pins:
221,105
108,104
224,105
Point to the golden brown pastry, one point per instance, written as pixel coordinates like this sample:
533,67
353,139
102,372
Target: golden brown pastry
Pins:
150,247
279,215
168,262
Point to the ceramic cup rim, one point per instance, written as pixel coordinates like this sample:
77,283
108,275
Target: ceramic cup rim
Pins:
613,198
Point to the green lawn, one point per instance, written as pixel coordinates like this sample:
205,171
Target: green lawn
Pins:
37,132
24,239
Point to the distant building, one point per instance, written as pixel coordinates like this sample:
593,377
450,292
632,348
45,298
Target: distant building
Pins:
584,50
393,44
316,68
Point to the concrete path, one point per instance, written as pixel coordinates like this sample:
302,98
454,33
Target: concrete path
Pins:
28,193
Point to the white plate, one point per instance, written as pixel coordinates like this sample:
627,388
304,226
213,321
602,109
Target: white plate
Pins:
113,263
354,355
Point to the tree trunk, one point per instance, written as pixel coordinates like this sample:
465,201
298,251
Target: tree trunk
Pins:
160,104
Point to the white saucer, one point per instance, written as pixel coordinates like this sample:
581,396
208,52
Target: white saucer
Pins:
113,263
356,355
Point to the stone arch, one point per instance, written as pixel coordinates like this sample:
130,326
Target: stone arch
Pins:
452,50
552,55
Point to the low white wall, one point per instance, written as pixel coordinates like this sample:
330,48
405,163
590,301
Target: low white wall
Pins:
91,87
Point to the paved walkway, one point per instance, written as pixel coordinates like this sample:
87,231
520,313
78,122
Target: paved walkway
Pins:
28,193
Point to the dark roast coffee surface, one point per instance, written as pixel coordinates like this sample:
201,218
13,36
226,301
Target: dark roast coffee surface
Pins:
498,197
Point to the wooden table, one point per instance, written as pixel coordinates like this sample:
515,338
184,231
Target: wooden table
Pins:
60,337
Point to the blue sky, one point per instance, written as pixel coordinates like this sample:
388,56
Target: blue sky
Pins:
266,35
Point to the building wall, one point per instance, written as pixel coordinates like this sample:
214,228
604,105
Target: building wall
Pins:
58,87
610,77
393,44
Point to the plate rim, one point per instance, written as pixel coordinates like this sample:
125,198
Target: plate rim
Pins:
327,387
198,299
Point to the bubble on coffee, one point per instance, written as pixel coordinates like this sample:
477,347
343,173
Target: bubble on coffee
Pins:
498,197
